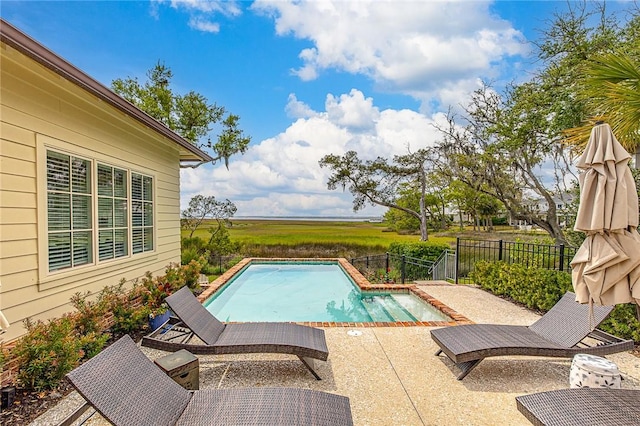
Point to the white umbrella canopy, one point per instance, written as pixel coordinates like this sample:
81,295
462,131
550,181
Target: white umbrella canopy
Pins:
606,268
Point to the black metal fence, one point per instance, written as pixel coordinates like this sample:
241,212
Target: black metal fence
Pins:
451,265
393,268
219,264
469,251
457,265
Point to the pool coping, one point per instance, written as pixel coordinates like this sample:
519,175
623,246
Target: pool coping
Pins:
361,281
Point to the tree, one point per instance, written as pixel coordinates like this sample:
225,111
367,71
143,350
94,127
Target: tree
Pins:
399,221
202,208
506,141
379,181
606,81
611,92
189,115
498,149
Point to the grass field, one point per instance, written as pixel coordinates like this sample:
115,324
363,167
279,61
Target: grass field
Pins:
301,232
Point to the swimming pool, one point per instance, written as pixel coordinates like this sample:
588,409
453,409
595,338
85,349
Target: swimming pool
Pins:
313,291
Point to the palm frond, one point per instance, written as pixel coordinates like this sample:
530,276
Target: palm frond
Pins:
612,92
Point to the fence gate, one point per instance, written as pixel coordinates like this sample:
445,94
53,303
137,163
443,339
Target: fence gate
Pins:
444,268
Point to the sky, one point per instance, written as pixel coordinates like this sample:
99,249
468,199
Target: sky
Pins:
306,78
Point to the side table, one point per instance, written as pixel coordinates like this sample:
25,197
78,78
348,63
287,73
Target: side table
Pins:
183,367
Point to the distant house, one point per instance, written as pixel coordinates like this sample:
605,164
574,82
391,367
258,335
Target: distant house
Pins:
89,184
539,207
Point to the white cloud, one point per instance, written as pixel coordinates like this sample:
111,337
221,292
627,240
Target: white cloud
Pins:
201,24
422,48
281,176
297,109
225,7
352,110
201,12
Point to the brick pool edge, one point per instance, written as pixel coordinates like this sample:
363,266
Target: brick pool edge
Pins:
362,282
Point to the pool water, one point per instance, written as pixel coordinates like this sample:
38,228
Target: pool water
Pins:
311,292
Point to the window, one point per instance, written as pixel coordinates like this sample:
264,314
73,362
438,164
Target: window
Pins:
112,213
142,212
122,200
69,211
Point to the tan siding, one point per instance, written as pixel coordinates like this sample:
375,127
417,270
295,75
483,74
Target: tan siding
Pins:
38,110
12,149
17,249
17,183
13,262
14,166
18,280
14,216
14,199
18,232
17,135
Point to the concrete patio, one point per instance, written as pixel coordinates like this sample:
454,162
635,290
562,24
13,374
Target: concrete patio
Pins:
391,374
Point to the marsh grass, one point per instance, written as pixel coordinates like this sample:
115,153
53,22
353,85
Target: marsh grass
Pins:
308,238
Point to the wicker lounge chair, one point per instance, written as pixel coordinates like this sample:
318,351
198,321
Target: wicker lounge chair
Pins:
561,332
583,406
307,343
126,388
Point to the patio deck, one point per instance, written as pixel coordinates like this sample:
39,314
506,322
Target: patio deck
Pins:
392,376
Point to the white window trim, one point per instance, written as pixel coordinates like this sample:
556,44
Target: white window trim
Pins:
68,275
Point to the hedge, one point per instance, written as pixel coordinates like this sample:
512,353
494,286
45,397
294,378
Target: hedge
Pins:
540,289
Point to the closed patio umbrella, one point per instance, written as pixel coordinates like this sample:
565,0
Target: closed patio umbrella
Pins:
606,268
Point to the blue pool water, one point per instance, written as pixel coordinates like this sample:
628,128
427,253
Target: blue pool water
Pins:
312,292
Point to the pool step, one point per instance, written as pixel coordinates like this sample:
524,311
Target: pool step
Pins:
375,310
396,311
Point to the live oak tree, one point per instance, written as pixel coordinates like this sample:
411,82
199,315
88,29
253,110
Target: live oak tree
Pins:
190,115
507,141
498,148
380,181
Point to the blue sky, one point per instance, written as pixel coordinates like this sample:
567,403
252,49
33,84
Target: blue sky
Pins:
307,78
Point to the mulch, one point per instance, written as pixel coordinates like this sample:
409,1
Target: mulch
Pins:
29,404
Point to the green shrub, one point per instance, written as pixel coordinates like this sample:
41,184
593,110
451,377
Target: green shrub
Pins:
119,301
47,352
425,250
89,314
540,289
3,357
92,343
189,254
623,322
127,319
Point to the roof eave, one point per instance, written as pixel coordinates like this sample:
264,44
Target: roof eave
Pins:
36,51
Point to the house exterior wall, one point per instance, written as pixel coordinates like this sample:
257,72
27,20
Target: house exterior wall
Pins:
39,110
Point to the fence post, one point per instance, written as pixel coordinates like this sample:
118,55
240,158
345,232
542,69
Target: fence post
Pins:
402,269
500,250
386,264
455,272
561,257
